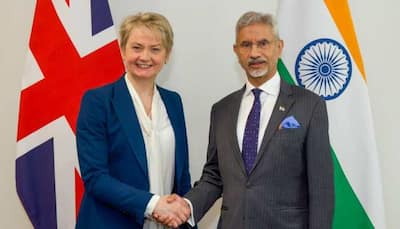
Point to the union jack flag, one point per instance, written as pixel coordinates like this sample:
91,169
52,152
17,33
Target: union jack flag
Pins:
72,48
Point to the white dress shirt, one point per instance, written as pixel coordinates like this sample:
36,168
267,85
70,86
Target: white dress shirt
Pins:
159,142
269,95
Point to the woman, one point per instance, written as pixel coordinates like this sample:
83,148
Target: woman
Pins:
131,135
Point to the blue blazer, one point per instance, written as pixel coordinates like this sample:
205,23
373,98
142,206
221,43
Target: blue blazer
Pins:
112,157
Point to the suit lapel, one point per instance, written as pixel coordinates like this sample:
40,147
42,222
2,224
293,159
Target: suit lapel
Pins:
282,106
173,111
125,111
231,127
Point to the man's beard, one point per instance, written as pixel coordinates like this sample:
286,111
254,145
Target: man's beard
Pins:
258,73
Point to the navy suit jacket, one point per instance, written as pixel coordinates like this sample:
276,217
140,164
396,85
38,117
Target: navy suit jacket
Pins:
112,157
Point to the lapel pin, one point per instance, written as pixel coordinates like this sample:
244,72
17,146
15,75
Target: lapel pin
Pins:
281,108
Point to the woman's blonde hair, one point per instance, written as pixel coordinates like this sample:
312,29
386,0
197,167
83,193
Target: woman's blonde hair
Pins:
151,20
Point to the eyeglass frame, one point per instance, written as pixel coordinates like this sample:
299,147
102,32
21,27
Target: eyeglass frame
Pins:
264,44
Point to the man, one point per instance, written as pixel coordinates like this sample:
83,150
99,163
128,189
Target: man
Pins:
268,154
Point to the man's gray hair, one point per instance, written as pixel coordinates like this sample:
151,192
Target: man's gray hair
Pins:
251,17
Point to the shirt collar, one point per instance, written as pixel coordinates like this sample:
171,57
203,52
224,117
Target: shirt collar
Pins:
138,103
271,87
133,92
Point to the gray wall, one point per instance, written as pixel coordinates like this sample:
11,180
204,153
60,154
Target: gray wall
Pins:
378,34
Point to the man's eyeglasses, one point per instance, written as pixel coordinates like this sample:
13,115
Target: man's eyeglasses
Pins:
246,46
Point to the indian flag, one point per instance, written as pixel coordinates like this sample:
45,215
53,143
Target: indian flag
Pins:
321,53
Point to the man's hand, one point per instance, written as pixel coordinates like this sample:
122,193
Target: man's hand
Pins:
171,210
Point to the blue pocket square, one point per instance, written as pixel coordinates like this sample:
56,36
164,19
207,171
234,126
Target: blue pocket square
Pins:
289,123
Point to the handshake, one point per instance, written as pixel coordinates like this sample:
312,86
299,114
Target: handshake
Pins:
171,210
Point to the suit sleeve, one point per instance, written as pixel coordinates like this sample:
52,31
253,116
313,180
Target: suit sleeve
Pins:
319,170
209,188
93,145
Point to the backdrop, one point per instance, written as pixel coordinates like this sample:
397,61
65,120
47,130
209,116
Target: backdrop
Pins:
203,69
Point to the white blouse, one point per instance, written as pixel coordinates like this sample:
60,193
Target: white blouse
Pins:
159,142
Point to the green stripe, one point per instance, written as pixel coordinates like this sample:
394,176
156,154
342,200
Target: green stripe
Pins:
349,213
284,73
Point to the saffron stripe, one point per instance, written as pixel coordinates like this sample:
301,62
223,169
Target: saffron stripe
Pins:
340,12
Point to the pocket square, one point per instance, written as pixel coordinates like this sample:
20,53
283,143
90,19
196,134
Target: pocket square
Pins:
289,123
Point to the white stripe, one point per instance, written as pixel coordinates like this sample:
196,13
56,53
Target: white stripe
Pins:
78,23
32,72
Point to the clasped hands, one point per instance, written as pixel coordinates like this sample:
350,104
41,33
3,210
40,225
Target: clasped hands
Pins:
171,210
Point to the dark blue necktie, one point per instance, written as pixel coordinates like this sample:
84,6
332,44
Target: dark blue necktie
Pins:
250,136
